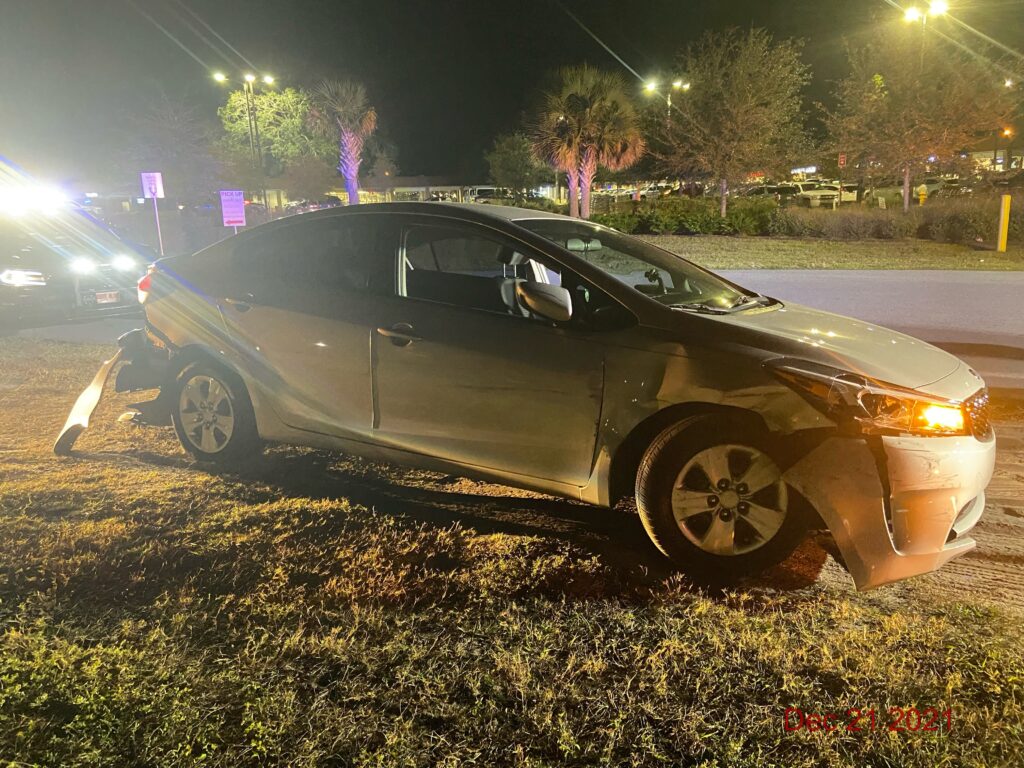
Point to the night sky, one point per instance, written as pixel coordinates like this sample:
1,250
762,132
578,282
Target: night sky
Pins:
446,75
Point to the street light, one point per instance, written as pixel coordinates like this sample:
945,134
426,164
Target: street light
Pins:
938,7
678,84
249,89
912,14
1008,82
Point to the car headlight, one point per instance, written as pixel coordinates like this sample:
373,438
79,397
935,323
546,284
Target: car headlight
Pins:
22,277
123,263
83,265
870,407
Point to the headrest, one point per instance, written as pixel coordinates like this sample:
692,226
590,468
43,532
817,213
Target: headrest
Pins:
512,258
579,245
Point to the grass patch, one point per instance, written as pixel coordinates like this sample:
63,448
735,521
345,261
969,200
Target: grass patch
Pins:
313,609
717,252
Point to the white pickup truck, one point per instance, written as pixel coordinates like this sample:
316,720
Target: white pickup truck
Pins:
816,194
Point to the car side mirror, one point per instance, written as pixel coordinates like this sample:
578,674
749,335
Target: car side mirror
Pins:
550,301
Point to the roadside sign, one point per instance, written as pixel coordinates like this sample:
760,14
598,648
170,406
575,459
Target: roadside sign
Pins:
152,188
232,207
152,184
842,159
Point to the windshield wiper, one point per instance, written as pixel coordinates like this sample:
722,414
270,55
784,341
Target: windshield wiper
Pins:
749,300
700,306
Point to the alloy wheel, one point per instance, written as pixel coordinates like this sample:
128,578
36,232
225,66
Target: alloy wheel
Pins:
729,499
207,416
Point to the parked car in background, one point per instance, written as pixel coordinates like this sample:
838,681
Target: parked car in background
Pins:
656,191
558,355
845,193
305,206
488,195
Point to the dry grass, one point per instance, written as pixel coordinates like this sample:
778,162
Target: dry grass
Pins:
315,609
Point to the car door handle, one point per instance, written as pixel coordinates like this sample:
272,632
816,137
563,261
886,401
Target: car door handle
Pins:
400,334
243,304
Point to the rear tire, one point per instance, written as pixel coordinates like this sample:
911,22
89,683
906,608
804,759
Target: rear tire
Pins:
712,499
213,415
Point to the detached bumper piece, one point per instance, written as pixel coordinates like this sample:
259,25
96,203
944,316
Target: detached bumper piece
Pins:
145,369
901,514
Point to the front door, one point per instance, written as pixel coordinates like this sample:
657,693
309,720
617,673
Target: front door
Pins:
463,373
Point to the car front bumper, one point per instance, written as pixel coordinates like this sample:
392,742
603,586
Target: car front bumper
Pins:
899,506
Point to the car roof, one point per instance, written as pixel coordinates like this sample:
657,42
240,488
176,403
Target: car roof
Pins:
470,211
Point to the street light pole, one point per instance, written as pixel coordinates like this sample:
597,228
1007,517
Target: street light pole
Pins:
252,120
677,85
912,14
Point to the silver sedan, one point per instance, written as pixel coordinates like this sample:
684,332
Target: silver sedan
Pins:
558,355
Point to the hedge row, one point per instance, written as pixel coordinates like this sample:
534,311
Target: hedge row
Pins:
965,221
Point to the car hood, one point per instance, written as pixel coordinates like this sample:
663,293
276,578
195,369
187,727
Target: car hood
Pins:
843,342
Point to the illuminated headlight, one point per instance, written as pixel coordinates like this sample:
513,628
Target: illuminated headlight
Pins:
123,263
83,265
21,277
870,407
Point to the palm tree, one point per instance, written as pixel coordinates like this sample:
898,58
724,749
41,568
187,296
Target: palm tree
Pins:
340,109
587,120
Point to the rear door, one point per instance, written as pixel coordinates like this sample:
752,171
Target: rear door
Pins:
303,303
463,373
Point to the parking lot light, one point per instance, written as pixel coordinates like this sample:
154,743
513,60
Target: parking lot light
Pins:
1008,82
220,77
912,14
650,86
249,77
938,7
269,80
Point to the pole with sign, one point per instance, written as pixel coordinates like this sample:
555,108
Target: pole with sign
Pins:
153,187
232,208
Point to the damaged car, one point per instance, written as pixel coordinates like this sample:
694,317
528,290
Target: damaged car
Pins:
561,356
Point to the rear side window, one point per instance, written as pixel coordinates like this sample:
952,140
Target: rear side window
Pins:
339,252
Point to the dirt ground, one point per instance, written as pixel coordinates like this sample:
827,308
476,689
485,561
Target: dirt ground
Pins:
37,390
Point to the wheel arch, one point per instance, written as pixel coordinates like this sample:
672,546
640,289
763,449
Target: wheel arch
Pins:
626,459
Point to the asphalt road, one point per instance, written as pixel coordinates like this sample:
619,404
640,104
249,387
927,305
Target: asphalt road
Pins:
979,316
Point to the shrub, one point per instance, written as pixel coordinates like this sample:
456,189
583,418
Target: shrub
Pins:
948,221
965,221
750,217
844,224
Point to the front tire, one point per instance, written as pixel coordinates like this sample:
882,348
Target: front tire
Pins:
212,414
712,498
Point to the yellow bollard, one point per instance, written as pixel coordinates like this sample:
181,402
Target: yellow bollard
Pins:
1004,223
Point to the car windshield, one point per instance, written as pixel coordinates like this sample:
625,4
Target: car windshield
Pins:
655,273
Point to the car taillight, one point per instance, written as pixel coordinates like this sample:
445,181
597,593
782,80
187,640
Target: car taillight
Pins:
144,285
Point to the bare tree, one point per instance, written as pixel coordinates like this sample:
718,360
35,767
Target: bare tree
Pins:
743,112
907,100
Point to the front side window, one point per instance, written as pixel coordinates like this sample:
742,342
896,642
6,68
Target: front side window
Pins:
661,275
464,266
471,267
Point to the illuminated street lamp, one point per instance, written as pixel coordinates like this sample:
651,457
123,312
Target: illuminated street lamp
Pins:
1008,82
678,84
249,89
